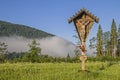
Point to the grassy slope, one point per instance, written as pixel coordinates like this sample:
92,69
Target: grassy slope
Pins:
60,71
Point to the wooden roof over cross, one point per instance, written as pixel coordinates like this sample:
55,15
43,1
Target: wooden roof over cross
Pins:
80,13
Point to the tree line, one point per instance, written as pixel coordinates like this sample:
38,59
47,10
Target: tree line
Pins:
33,55
107,43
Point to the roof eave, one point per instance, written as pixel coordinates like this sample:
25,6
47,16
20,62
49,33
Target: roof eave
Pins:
80,12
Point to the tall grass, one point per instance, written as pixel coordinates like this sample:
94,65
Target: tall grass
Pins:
60,71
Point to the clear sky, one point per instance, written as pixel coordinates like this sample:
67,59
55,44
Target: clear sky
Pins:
52,15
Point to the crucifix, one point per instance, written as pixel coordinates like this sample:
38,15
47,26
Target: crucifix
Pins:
83,21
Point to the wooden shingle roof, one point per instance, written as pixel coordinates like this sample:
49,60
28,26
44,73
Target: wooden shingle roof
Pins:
79,13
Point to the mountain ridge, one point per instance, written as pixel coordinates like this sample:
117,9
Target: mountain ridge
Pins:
17,37
9,29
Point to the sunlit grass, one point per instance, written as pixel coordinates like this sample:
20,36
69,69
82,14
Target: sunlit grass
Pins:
60,71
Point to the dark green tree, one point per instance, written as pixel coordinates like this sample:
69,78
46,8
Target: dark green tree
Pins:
99,46
106,43
113,39
108,49
34,52
118,41
118,48
3,51
68,58
118,32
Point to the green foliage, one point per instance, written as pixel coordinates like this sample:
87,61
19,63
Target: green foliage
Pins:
103,59
106,38
108,49
34,52
118,32
118,42
99,46
9,29
3,51
68,58
110,41
118,48
113,38
3,48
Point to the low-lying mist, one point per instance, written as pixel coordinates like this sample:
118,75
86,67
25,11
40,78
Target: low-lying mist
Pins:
53,46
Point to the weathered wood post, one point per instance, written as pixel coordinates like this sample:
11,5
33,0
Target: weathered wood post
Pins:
83,21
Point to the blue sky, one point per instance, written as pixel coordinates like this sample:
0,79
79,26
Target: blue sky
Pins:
52,15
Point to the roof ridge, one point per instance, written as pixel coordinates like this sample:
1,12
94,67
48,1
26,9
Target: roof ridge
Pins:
81,11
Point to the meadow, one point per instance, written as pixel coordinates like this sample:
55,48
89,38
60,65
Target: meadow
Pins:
60,71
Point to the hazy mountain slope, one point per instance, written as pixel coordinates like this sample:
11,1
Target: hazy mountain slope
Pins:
10,29
17,37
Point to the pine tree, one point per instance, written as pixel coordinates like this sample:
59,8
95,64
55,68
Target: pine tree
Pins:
33,54
118,32
118,41
3,48
108,49
99,42
113,39
106,43
118,48
3,51
68,58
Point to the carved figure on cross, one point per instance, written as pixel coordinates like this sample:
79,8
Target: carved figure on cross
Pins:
83,24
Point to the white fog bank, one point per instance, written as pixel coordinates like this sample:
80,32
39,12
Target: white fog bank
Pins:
53,46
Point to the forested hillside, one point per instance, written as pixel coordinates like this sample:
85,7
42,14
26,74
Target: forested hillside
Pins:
10,29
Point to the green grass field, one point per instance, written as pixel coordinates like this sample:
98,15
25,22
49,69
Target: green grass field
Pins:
60,71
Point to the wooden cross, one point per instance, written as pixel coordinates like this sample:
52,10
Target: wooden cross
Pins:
83,21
